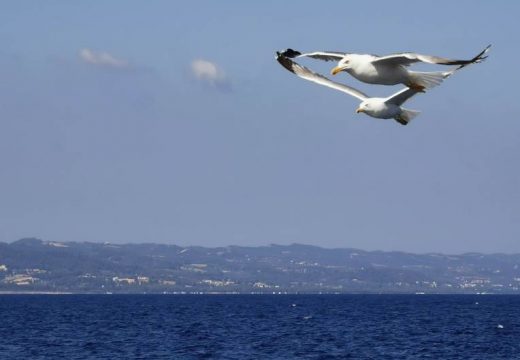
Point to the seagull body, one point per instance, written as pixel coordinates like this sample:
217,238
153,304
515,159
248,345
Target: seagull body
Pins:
390,69
367,69
381,108
363,68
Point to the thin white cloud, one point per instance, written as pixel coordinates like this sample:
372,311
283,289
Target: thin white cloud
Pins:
209,72
101,59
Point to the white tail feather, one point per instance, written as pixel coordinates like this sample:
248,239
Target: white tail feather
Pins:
406,116
429,79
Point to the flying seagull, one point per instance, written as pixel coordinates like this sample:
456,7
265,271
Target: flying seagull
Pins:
381,108
389,69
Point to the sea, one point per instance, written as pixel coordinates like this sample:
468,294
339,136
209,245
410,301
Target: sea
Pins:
259,327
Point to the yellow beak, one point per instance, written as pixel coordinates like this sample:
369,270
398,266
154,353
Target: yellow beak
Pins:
359,110
336,70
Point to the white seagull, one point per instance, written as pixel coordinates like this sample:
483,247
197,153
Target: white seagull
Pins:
389,69
381,108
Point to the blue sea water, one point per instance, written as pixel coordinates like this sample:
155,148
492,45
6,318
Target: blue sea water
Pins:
259,327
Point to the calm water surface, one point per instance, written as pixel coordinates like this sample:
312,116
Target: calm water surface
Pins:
259,327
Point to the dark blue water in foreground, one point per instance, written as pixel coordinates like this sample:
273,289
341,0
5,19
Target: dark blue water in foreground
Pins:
259,327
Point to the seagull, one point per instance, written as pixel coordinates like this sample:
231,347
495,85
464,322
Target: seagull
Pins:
381,108
389,69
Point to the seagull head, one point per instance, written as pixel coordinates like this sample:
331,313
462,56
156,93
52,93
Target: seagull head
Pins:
363,107
343,64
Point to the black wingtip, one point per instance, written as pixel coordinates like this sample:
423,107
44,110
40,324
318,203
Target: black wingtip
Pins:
477,59
290,53
482,56
284,61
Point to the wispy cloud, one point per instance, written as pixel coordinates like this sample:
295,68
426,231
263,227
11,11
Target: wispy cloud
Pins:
210,73
101,59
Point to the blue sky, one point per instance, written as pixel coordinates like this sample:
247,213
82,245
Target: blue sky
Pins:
161,121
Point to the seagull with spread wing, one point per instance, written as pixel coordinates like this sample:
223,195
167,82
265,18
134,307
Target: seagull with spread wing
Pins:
389,69
381,108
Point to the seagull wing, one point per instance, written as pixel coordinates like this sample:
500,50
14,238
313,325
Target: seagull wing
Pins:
407,59
401,96
320,55
309,75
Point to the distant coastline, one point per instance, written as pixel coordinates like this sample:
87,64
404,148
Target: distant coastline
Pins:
34,266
